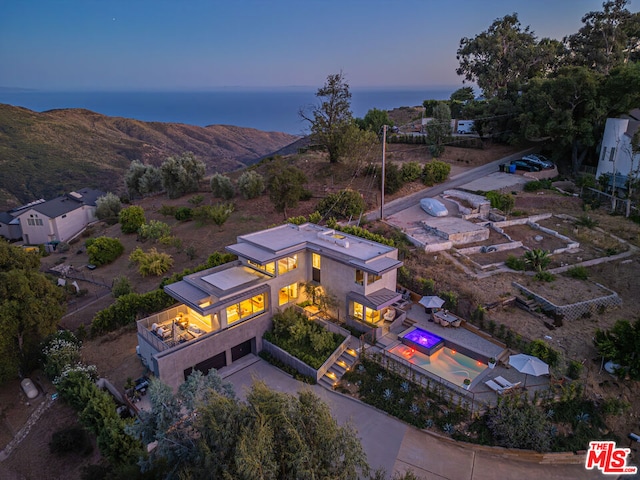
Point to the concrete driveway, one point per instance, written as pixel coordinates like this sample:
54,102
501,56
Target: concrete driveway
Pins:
396,447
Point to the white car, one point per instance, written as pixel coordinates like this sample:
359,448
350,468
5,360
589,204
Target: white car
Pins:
434,207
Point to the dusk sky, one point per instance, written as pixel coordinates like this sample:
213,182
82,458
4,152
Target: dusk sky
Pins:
198,44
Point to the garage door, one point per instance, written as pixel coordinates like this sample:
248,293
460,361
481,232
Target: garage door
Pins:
217,362
241,350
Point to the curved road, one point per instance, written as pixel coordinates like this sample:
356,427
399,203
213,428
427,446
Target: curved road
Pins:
463,178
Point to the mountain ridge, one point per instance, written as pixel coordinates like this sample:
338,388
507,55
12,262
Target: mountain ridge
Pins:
45,154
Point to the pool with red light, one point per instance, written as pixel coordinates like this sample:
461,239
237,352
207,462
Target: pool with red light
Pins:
423,341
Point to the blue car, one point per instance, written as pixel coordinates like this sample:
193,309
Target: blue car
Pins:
434,207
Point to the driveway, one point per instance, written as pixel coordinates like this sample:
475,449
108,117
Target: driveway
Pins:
397,447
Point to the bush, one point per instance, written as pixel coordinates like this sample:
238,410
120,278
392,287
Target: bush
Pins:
343,204
131,219
151,262
516,423
579,272
435,172
540,349
586,221
213,214
222,186
251,184
121,286
502,201
411,171
392,179
168,210
108,207
574,370
154,230
182,214
196,200
59,351
450,300
545,276
104,250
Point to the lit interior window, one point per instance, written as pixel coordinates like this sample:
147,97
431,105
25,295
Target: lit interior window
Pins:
287,264
246,308
358,310
288,294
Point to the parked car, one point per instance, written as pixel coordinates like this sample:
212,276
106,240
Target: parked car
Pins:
434,207
527,167
540,161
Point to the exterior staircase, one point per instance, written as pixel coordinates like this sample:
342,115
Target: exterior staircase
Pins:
408,323
339,367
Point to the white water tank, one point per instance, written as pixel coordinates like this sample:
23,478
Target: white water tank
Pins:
154,327
29,388
160,332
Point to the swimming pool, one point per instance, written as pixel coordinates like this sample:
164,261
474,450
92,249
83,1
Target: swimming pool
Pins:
423,341
445,363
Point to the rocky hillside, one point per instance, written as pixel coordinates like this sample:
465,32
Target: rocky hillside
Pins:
45,154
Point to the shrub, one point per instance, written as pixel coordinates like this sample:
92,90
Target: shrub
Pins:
168,210
410,171
181,174
196,200
540,349
121,286
222,186
532,186
502,201
182,214
515,263
104,250
108,207
450,300
151,262
545,277
343,204
427,285
154,230
579,272
516,423
251,184
392,179
586,221
574,370
213,214
131,219
59,351
435,172
315,217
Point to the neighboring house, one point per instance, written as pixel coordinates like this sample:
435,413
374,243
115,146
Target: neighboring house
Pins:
9,227
616,154
60,219
225,310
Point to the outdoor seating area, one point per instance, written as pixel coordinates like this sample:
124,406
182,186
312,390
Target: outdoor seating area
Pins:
501,385
446,319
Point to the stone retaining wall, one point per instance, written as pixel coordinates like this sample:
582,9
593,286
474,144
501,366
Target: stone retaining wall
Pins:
577,310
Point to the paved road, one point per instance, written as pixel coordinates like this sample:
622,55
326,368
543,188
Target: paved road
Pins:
397,447
463,178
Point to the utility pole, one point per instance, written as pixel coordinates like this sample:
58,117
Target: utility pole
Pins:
384,151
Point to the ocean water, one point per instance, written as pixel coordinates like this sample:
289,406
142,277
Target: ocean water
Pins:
266,109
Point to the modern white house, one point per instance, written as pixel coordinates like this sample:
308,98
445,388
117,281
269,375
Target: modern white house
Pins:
223,312
60,219
616,154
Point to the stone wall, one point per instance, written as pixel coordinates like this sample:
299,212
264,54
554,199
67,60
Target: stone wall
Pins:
577,310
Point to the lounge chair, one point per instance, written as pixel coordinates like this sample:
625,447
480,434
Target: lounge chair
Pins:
494,386
506,384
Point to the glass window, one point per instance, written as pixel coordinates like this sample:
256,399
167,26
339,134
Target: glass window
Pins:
288,294
372,277
246,308
315,271
359,277
268,268
287,264
358,310
373,316
612,154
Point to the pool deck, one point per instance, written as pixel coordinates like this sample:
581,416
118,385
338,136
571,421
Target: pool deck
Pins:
475,343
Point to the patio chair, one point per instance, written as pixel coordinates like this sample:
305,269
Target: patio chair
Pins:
494,386
506,384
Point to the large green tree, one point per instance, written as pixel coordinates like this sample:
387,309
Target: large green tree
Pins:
330,119
182,174
30,307
286,186
374,120
141,179
608,38
621,344
502,59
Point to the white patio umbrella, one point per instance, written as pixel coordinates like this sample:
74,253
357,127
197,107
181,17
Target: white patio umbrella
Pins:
529,365
431,301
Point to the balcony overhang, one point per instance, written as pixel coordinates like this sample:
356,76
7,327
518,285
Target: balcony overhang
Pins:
377,300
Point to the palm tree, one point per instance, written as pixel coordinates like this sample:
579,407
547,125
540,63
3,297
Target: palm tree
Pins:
537,259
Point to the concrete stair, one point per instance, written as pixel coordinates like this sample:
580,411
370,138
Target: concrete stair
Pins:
338,369
408,323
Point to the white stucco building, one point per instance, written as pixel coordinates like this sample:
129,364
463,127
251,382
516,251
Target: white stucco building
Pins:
616,155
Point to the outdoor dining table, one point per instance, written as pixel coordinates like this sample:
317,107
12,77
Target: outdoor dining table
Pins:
443,316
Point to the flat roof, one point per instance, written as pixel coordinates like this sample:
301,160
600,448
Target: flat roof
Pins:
232,278
288,238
